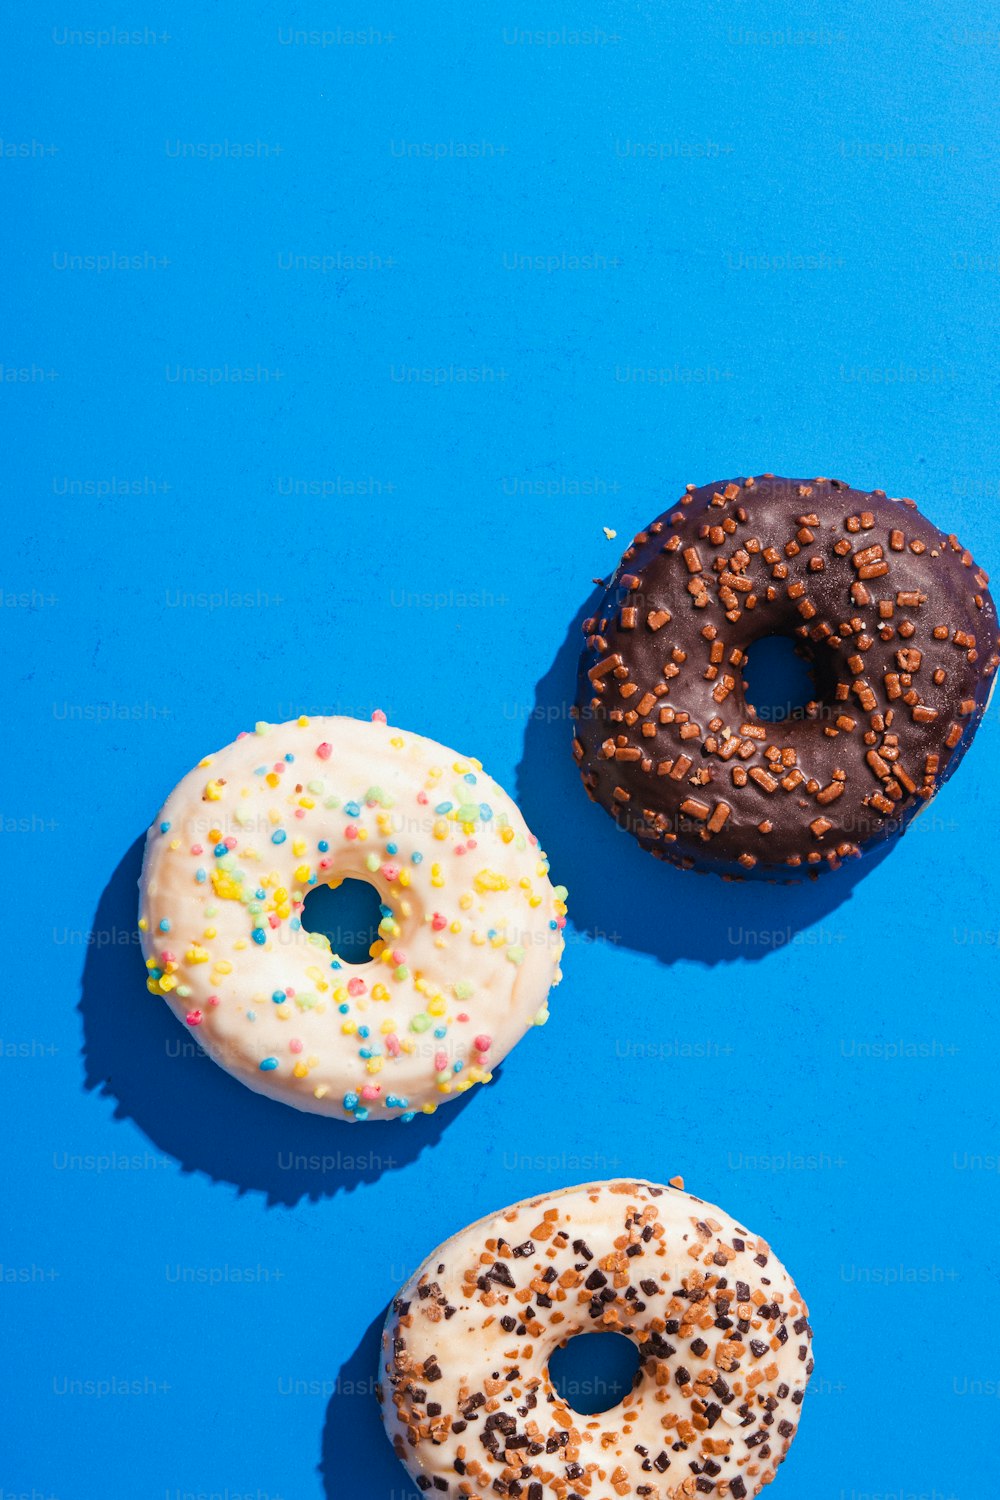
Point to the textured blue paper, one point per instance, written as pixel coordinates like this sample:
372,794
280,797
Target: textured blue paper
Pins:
495,291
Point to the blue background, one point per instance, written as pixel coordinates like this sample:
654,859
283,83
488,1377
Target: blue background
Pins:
818,1061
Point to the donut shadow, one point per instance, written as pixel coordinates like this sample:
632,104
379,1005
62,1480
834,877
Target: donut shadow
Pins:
617,892
357,1457
136,1053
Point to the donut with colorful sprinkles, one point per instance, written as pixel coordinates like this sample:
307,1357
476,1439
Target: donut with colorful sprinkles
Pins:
895,619
468,946
723,1339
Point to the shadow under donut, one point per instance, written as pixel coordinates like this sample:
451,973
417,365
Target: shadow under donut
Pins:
617,892
136,1052
357,1458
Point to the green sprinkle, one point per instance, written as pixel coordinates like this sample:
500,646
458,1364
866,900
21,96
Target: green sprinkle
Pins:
421,1022
515,953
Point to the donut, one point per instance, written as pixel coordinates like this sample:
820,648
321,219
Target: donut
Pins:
722,1334
895,619
469,942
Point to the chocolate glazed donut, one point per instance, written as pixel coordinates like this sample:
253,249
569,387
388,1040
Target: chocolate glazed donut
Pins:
899,628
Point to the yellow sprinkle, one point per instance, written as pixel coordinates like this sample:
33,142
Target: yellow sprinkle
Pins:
272,778
489,880
440,828
299,847
387,1026
507,834
168,982
312,1062
396,742
209,933
213,791
436,1007
222,967
196,955
302,721
374,1065
349,1027
300,1070
609,533
175,843
143,925
379,992
465,902
206,762
320,1091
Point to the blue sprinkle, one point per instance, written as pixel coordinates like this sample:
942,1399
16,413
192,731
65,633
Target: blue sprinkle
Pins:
336,964
352,809
289,758
364,1031
251,1015
440,1031
164,827
365,1052
458,1066
444,807
259,935
260,771
405,1119
200,876
220,850
155,973
485,812
350,1101
322,846
416,857
269,1064
278,836
260,893
553,924
470,778
165,925
361,1113
386,911
392,848
344,1008
295,924
278,997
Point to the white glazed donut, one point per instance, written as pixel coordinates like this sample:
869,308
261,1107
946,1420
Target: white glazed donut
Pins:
470,939
723,1337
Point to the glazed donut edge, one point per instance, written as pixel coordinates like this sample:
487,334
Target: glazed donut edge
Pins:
723,1337
899,626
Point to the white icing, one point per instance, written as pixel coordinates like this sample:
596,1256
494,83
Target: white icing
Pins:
445,1343
470,949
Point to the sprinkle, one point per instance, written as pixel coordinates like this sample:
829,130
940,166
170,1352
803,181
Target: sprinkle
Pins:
165,924
378,717
324,751
278,836
268,1065
259,935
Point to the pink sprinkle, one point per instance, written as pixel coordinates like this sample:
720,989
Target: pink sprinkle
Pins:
213,999
324,751
300,812
438,922
459,848
229,842
463,1015
390,871
243,734
325,864
422,798
392,1044
193,1018
440,1061
289,992
280,768
398,956
371,1091
356,986
196,849
274,921
471,844
483,1043
168,958
350,832
378,717
295,1045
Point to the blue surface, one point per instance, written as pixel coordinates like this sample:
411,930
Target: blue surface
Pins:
405,512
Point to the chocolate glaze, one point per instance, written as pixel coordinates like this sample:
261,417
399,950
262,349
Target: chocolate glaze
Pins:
895,618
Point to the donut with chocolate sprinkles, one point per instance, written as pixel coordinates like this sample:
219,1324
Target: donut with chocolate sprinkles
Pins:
723,1338
895,619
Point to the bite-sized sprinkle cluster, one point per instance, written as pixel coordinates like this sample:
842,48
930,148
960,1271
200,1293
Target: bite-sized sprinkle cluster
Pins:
468,944
723,1338
895,618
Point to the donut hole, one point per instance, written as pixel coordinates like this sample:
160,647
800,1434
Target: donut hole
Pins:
348,914
594,1371
779,679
